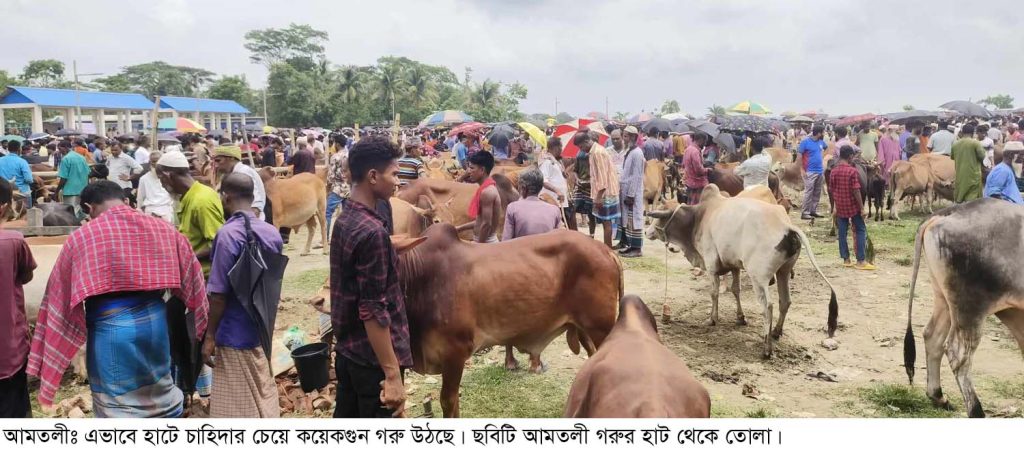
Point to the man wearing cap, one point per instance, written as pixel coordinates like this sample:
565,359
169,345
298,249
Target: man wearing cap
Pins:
228,159
200,212
1001,182
410,165
631,188
153,198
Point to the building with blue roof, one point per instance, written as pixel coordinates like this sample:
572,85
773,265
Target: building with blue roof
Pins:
214,114
127,107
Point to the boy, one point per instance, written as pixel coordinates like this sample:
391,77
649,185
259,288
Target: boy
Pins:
844,187
16,266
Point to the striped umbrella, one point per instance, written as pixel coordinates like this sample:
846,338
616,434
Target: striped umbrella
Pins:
567,131
445,118
749,107
180,125
468,127
853,120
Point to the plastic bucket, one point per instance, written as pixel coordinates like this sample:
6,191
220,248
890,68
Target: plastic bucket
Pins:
312,362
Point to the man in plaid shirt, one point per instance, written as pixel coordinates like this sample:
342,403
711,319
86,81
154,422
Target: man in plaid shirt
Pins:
844,188
367,307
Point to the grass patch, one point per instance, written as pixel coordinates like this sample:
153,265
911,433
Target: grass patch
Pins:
306,283
491,391
891,400
760,413
1009,389
645,264
904,260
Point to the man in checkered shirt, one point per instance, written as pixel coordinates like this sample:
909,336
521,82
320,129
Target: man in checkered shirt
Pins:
844,189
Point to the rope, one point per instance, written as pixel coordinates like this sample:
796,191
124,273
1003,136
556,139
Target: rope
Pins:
665,310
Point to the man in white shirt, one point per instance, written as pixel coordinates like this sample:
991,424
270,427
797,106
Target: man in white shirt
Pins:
228,159
142,152
121,168
153,197
995,134
942,141
755,170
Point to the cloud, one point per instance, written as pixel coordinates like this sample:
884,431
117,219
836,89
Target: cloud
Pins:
843,56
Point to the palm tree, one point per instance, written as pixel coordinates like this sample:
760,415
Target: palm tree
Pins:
421,85
388,80
350,83
716,110
486,94
621,115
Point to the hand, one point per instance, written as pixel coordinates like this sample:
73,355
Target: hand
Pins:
561,198
392,394
629,201
125,177
209,345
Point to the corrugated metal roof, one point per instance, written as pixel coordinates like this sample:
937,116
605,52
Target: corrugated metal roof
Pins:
205,105
66,98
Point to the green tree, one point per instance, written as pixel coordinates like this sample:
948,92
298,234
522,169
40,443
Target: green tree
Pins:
271,46
908,107
716,110
233,88
387,82
420,85
621,115
999,101
289,93
6,79
157,78
563,117
44,73
670,106
351,80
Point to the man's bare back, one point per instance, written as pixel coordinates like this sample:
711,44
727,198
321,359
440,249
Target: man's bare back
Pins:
485,227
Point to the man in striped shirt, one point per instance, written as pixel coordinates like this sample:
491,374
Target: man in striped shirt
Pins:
410,166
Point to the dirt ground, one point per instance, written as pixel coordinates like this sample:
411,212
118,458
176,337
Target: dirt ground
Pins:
864,377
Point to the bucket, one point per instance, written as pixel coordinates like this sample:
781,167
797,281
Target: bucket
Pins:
311,362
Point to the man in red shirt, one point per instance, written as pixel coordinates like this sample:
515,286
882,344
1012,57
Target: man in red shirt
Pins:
16,266
844,189
695,175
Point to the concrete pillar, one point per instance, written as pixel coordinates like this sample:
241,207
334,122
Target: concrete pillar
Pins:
145,119
69,118
37,119
99,121
242,123
3,123
214,121
227,122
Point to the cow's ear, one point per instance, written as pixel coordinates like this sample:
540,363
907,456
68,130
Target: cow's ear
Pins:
661,214
404,243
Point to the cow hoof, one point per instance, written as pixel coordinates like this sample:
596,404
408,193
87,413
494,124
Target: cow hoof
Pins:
304,253
766,355
512,365
542,368
712,322
776,333
741,320
942,403
666,318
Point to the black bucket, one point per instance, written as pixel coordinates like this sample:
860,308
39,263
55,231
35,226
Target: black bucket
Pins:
312,362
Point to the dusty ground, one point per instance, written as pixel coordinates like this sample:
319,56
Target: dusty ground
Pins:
864,377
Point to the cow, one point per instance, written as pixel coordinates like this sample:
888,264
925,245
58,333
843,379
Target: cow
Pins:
58,214
634,375
298,200
780,155
408,219
728,182
715,236
654,183
973,251
463,297
876,191
452,199
926,174
790,174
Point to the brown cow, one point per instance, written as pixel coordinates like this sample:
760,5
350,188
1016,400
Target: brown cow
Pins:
408,219
926,174
727,181
451,199
654,183
462,297
298,200
634,375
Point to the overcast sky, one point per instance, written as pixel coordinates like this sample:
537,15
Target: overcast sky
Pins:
843,56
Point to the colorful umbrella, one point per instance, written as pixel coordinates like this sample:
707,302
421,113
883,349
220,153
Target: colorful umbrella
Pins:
180,125
749,107
535,133
746,123
567,131
468,127
640,118
445,118
854,120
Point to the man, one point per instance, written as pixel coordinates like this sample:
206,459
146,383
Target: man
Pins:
967,154
30,155
411,166
16,267
912,145
242,386
228,159
15,169
485,205
337,178
844,188
107,287
617,150
555,184
984,134
74,176
367,309
153,198
582,202
460,150
653,148
81,148
141,154
941,141
316,146
888,153
755,170
904,136
631,186
695,175
1002,182
843,140
303,160
1015,134
993,132
200,213
99,154
604,184
269,153
867,141
202,149
121,168
810,150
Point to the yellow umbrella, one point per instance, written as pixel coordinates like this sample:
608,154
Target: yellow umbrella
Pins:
535,133
749,107
268,130
552,122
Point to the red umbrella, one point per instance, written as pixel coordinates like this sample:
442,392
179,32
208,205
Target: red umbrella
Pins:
468,127
567,131
854,120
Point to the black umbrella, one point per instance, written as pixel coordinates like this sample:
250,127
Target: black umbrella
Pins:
67,132
967,108
681,126
500,135
725,142
660,124
39,136
904,117
746,123
256,280
705,126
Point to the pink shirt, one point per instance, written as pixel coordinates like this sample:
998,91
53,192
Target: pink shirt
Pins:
15,261
530,216
693,168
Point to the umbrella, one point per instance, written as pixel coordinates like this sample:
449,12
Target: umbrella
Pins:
39,136
597,115
167,137
725,141
180,124
640,118
779,125
854,120
749,107
269,129
674,116
681,126
746,123
904,117
67,132
661,124
217,133
445,118
256,279
16,138
535,133
788,114
467,128
800,119
567,131
967,108
500,135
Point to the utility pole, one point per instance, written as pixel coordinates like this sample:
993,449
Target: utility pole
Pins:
606,113
78,107
556,107
266,120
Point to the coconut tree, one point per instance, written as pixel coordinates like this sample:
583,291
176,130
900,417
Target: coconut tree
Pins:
716,110
351,80
388,81
420,85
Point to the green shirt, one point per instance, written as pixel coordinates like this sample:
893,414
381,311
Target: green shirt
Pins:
967,153
201,216
75,172
867,141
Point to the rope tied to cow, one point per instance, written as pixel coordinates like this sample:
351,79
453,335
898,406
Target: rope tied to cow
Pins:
666,312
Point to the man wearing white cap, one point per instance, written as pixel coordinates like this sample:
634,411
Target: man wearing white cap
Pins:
153,198
228,159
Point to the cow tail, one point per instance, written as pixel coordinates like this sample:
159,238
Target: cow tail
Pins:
909,345
833,304
891,189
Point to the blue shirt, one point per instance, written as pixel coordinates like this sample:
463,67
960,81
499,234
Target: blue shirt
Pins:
812,148
237,329
461,153
14,167
1003,182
